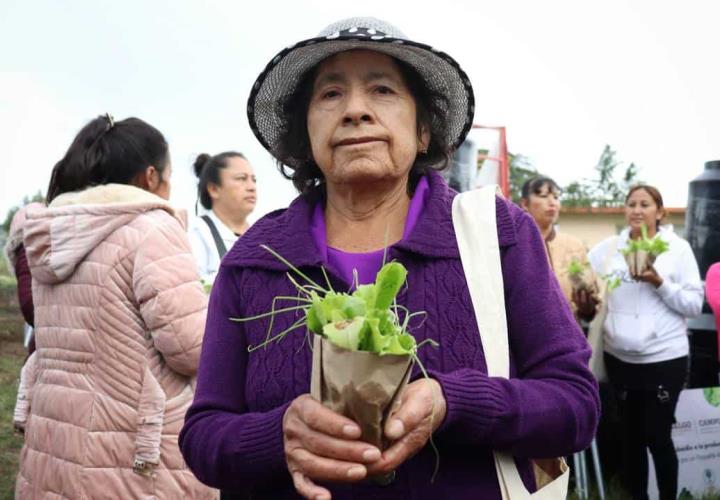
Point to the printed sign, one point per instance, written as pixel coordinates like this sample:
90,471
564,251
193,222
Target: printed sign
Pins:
696,435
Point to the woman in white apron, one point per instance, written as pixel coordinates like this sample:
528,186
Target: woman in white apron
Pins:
227,191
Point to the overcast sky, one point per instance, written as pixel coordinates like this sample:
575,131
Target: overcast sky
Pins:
564,77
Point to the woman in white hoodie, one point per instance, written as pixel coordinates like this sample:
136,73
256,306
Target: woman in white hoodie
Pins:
645,339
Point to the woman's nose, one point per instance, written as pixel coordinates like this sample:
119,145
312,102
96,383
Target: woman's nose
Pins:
357,109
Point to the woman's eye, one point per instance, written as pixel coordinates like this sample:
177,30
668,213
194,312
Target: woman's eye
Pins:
383,89
329,94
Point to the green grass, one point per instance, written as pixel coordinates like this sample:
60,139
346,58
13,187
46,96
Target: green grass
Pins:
613,491
7,282
12,355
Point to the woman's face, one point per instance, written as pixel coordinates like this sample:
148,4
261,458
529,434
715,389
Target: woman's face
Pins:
159,183
237,190
544,206
640,208
362,119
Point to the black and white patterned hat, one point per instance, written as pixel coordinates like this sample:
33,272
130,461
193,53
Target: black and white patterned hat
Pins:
281,76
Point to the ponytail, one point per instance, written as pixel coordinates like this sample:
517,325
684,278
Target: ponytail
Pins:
207,169
105,151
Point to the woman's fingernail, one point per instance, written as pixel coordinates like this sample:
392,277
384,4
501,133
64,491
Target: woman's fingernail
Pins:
322,497
350,430
371,455
396,428
356,472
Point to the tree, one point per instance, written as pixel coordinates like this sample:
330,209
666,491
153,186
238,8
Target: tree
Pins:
25,201
521,170
606,190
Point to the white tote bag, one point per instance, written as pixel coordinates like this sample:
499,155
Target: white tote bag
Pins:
596,328
473,214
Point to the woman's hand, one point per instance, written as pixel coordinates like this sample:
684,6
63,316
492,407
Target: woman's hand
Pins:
650,275
422,410
321,445
586,303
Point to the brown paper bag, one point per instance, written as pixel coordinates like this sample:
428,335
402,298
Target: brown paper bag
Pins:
359,385
642,261
546,470
583,281
638,262
630,261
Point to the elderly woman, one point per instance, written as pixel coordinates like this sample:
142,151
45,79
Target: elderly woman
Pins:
363,117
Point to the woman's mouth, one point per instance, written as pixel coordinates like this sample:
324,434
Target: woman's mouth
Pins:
358,141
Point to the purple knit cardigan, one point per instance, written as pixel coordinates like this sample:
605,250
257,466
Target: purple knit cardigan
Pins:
232,437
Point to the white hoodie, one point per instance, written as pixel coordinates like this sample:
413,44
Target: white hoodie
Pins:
645,324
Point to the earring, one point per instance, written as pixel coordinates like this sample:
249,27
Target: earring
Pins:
423,151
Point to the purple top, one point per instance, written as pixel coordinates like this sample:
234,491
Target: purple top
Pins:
369,263
24,288
232,438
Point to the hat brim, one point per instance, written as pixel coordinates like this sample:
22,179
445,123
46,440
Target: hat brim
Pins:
279,79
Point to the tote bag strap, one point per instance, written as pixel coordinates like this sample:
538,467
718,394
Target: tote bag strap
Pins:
476,232
219,243
474,220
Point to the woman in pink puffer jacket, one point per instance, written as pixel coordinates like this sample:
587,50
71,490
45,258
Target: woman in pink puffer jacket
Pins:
119,319
712,292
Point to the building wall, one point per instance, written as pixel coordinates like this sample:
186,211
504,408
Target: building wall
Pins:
592,228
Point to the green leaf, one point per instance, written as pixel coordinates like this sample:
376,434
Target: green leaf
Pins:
376,341
365,320
354,306
368,294
388,282
403,343
576,267
654,246
614,283
316,318
347,334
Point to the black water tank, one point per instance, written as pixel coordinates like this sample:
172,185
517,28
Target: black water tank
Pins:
702,219
702,230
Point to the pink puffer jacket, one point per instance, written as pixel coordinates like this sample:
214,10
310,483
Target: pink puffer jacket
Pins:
119,319
15,234
712,292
